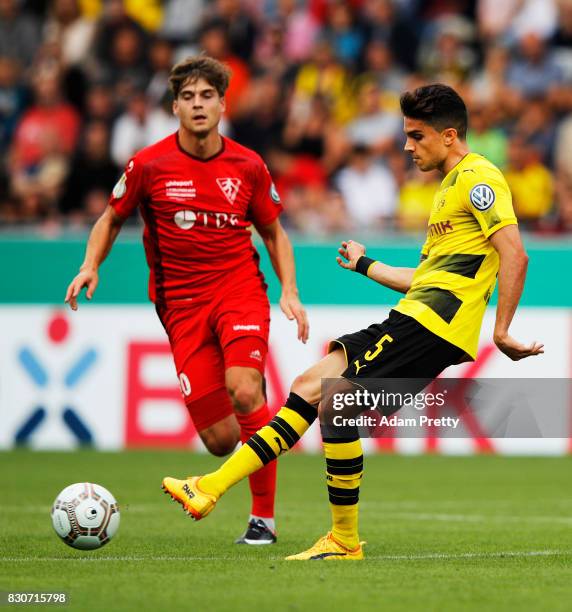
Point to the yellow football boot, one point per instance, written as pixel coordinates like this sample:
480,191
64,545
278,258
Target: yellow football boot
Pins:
328,549
195,502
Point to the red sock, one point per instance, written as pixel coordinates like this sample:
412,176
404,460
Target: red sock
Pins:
263,482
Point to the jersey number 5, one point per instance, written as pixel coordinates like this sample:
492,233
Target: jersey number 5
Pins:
370,356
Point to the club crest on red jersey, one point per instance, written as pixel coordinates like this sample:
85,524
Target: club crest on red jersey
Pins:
230,187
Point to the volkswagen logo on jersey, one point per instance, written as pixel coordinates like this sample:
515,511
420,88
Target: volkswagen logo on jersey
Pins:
482,196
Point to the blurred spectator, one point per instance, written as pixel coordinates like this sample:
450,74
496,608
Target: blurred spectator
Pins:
182,19
160,121
416,199
99,103
536,126
380,66
214,42
383,23
343,33
374,127
489,84
161,61
534,72
483,137
91,171
563,146
494,18
562,37
368,189
148,13
434,10
73,32
260,127
300,29
447,56
238,25
512,19
112,22
563,220
295,171
323,75
43,141
561,97
127,69
270,57
49,126
535,16
13,99
530,182
310,129
19,32
310,206
129,131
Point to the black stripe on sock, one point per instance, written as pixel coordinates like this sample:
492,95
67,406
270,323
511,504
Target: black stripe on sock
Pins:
344,467
262,449
302,407
337,492
343,440
343,497
284,429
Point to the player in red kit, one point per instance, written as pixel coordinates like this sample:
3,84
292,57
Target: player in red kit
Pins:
198,193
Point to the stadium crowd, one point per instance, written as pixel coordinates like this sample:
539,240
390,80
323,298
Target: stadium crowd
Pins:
315,90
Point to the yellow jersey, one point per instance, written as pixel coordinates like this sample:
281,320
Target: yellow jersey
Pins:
455,279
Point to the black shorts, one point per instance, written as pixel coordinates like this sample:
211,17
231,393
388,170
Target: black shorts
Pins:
400,347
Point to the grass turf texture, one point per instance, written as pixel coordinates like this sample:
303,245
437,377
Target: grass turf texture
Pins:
445,533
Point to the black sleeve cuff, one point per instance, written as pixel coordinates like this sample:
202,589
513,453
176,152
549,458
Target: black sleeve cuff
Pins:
363,264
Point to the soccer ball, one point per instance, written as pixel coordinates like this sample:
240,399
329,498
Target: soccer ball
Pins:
85,515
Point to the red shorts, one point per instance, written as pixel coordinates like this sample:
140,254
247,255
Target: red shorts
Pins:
210,335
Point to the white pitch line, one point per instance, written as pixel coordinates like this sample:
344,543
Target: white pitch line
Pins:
477,518
419,557
393,514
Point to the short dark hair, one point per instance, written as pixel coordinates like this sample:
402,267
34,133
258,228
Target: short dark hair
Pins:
438,105
211,70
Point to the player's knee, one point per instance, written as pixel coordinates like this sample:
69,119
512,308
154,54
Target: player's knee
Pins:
305,386
220,445
245,394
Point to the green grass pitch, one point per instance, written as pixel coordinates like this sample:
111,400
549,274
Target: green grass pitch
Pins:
444,533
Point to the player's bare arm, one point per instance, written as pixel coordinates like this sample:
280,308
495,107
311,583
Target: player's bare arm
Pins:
101,238
512,272
398,279
282,257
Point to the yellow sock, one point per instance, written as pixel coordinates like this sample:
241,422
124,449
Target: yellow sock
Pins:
344,468
278,437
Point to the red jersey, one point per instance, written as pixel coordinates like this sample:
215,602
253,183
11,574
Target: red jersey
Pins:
196,213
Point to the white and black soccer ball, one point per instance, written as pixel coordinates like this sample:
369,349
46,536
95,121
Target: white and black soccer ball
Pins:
85,516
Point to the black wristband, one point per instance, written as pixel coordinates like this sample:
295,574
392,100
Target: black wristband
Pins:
363,264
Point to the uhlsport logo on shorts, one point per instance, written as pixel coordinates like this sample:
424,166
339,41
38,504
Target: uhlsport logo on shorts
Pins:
482,196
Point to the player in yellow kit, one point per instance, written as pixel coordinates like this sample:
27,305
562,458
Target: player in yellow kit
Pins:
472,237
